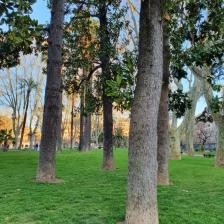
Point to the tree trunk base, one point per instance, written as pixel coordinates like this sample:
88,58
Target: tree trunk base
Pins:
176,156
219,164
46,174
49,181
163,181
108,164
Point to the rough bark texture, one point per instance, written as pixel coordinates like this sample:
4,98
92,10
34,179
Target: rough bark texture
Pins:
53,96
163,117
219,162
107,101
142,165
175,151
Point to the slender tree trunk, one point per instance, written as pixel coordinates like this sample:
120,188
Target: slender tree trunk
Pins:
107,101
86,136
24,120
81,127
108,133
87,132
142,165
32,140
163,118
53,96
72,121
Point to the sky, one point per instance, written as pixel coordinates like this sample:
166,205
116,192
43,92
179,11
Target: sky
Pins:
41,11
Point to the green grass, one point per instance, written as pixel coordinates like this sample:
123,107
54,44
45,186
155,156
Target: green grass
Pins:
92,196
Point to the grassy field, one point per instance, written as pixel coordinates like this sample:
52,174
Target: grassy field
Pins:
92,196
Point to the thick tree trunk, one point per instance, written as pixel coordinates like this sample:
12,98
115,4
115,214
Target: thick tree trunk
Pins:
219,162
163,117
107,101
142,165
53,96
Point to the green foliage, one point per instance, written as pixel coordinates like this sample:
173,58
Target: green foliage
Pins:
87,45
217,104
92,196
17,31
196,34
6,136
121,86
179,102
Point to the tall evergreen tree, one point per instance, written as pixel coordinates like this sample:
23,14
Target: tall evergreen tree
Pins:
53,96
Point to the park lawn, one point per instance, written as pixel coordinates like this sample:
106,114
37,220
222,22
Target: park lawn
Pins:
92,196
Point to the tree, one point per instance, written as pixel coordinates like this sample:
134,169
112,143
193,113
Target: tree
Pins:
109,15
53,96
13,92
187,126
215,105
5,138
142,165
203,134
28,85
202,32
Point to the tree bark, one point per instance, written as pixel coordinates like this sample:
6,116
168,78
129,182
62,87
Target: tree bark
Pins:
87,132
53,96
24,120
163,118
81,126
175,151
142,165
72,121
107,101
108,133
219,162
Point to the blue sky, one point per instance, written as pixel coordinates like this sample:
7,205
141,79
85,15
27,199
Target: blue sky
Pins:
41,11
